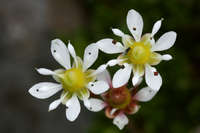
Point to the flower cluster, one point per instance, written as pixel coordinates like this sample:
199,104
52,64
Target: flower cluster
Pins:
96,88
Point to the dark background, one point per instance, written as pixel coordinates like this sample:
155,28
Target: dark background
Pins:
28,26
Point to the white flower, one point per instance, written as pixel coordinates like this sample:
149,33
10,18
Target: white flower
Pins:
138,54
119,119
75,80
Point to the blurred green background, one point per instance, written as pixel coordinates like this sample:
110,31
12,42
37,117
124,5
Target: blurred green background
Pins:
27,27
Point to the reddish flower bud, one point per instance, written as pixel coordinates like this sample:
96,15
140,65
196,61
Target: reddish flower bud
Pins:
119,97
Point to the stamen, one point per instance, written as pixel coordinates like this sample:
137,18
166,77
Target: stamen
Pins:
92,85
114,41
155,73
134,28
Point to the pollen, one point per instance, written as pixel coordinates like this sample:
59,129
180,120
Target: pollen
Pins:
139,53
73,80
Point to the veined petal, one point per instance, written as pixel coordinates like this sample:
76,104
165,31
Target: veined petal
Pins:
90,55
156,27
72,52
135,24
104,76
44,90
165,42
73,108
60,53
117,32
110,46
96,105
120,121
44,71
122,76
145,94
153,78
98,87
54,104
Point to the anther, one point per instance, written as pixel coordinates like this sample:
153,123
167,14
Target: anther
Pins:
155,73
54,51
37,90
134,28
89,53
114,41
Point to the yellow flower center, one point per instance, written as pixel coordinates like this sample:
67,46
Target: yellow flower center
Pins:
73,80
139,53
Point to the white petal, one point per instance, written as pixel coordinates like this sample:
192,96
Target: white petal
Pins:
120,121
113,111
73,108
117,32
156,27
72,52
54,104
60,53
127,40
166,57
100,69
56,77
110,46
135,24
104,76
87,103
165,42
96,105
44,89
122,76
44,71
153,78
145,94
90,55
115,62
98,87
136,109
137,79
